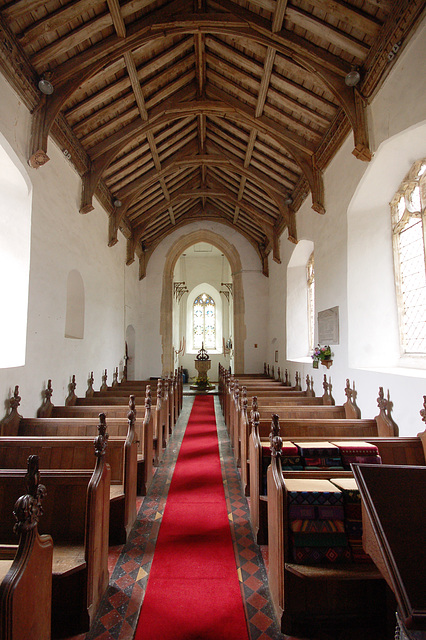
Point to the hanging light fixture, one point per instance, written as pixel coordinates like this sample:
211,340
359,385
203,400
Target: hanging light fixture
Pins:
45,85
117,203
352,78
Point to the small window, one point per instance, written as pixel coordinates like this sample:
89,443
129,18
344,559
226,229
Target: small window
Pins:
408,227
204,322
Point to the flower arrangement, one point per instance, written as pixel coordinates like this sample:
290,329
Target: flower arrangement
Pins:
321,354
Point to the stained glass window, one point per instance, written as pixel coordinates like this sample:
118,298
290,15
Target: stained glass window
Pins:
204,322
408,226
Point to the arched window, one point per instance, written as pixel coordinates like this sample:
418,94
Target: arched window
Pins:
15,238
408,228
310,280
204,322
300,310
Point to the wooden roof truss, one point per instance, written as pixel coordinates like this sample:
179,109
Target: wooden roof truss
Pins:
174,111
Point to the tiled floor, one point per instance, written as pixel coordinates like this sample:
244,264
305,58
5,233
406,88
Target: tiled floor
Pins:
129,564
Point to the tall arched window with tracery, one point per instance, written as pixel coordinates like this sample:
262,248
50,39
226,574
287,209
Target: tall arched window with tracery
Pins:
204,322
409,230
310,279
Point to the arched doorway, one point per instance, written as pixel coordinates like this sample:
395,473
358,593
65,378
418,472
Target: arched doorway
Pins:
166,322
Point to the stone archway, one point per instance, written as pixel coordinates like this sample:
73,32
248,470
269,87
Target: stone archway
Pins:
233,257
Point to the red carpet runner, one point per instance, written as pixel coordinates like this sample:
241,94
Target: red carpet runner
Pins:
193,591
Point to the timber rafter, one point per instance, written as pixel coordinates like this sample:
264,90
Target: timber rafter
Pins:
215,109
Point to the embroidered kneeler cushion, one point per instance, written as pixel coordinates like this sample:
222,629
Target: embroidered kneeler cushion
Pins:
316,512
321,463
317,526
353,516
318,539
320,555
317,531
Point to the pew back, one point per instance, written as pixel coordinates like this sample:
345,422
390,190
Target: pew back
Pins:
61,453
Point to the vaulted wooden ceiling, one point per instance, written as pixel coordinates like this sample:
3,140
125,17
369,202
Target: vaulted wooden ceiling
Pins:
174,111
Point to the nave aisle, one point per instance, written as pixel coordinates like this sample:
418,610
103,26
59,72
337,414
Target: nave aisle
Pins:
130,564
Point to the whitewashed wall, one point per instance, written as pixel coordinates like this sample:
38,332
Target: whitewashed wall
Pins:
62,240
348,261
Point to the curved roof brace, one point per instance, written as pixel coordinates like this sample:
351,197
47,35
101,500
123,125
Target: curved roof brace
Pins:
291,225
112,229
264,259
361,150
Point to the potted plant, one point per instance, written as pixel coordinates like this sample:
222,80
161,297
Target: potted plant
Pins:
323,355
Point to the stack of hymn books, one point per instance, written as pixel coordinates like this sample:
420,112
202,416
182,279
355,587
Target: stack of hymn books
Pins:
360,451
320,455
353,517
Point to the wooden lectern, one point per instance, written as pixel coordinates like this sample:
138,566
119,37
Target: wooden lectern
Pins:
394,526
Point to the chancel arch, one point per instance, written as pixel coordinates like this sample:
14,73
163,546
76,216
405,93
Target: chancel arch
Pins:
166,322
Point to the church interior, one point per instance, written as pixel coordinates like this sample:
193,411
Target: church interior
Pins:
190,249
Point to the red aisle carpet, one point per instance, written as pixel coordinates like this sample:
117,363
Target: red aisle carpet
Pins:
193,591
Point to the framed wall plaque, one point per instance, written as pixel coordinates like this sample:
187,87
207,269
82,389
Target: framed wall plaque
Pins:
328,326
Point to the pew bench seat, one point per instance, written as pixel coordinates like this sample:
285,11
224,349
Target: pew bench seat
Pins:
68,559
76,516
6,563
77,453
334,572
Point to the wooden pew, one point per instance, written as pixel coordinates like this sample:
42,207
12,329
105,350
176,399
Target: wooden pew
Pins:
177,383
15,424
65,452
118,395
291,415
171,389
137,387
309,598
76,515
317,429
290,585
115,407
26,568
282,396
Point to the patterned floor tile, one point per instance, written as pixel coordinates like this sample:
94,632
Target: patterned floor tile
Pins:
129,564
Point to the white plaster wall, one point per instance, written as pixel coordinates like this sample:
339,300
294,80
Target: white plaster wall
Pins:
398,106
63,240
255,296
